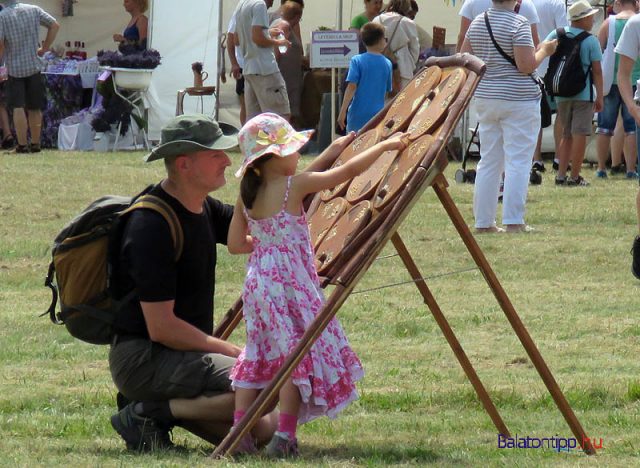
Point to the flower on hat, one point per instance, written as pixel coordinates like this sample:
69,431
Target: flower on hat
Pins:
281,137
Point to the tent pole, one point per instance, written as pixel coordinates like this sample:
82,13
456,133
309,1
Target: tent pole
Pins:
216,95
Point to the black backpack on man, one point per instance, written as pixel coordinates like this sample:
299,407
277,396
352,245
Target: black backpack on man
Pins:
566,76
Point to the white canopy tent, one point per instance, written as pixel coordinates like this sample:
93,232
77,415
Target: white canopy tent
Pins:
188,31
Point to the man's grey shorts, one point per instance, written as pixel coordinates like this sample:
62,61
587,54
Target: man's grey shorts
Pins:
147,371
576,117
266,93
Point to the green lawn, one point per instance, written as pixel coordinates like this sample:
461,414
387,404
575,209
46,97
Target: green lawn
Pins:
570,282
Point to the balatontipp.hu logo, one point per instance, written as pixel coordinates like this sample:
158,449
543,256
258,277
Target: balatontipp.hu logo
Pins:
559,444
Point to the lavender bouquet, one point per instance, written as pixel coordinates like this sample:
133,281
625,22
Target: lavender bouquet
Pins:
139,59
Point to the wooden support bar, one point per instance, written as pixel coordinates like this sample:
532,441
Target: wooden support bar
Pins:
270,393
412,268
230,321
440,187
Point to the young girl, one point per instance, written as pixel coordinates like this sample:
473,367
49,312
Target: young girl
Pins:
282,294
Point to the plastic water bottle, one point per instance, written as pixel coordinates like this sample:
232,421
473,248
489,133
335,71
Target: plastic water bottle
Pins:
281,48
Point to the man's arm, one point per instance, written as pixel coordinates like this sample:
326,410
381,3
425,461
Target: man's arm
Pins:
464,27
596,71
52,32
167,329
534,35
232,42
625,68
258,37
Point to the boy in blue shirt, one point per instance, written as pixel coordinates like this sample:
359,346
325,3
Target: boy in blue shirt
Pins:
368,80
576,112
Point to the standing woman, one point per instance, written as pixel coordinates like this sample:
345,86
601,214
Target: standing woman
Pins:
402,35
136,31
508,105
372,8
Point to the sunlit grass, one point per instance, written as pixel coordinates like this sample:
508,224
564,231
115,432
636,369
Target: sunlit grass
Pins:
569,281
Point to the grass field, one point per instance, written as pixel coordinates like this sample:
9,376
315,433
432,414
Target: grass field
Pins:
570,282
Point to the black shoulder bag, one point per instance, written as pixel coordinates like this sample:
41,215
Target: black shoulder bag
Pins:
545,110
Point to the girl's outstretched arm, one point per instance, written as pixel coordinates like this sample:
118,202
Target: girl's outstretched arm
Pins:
239,241
310,182
329,155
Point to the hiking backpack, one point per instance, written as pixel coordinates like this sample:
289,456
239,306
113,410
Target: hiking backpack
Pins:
82,265
565,76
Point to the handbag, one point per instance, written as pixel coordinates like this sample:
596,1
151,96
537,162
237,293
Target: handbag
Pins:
545,109
396,79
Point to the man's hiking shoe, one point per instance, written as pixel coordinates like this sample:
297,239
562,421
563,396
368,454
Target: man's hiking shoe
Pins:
35,148
538,166
635,254
281,447
141,434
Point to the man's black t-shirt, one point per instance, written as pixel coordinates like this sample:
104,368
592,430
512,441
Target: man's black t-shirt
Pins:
147,263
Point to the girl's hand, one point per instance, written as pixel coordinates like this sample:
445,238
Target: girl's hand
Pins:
398,141
118,38
341,143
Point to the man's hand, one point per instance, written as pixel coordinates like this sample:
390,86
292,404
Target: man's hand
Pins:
235,71
635,112
42,51
234,351
598,104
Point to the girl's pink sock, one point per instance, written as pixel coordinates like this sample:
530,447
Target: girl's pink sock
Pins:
288,424
237,416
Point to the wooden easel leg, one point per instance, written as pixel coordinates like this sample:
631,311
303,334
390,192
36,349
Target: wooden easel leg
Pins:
229,322
449,335
269,394
440,187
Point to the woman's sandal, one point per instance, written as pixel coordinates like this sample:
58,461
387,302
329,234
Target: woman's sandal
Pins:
489,230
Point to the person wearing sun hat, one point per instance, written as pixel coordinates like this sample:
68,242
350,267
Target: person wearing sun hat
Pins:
282,294
576,112
166,364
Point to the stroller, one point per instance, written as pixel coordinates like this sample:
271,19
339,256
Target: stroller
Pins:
463,175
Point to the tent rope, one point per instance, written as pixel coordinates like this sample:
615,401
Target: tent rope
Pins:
206,44
393,285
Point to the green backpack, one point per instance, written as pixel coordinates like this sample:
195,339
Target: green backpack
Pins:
82,265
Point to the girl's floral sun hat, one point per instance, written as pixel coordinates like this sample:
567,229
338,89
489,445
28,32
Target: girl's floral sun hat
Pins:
269,134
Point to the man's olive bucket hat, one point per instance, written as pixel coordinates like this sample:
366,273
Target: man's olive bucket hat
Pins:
187,134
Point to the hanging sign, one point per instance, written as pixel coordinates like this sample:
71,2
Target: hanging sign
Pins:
333,49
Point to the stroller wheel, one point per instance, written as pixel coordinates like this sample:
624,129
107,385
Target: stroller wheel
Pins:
460,176
471,176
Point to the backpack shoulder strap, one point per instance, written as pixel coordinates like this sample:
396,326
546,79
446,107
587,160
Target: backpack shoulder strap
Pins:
561,33
151,202
582,36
